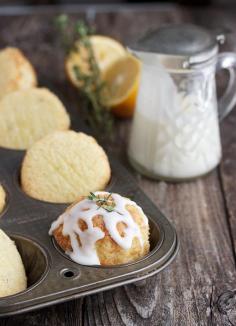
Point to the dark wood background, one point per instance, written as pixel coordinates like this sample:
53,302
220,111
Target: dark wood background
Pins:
199,287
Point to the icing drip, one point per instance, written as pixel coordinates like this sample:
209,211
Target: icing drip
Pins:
86,210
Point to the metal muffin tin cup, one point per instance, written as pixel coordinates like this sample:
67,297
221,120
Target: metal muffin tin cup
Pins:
52,276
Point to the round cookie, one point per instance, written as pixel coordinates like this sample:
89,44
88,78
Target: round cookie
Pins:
12,271
64,165
105,236
2,198
16,71
28,115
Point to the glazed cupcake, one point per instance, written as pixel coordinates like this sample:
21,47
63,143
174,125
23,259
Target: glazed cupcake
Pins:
103,229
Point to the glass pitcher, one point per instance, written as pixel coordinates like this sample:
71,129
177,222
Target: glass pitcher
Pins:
175,131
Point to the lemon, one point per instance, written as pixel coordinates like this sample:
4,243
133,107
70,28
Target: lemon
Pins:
122,80
106,51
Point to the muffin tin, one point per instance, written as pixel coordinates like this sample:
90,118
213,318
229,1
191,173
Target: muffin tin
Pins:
52,276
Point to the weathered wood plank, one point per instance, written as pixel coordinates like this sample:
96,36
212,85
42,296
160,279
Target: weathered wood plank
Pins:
228,173
218,19
194,290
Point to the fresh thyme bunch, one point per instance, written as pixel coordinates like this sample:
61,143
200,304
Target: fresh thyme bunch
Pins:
91,84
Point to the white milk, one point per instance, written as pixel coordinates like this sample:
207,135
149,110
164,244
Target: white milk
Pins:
174,135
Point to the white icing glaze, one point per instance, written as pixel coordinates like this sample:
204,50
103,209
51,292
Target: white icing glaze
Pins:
85,210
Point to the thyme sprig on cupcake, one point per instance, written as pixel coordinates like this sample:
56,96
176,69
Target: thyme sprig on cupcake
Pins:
105,202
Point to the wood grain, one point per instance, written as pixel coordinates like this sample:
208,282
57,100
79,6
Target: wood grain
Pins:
199,287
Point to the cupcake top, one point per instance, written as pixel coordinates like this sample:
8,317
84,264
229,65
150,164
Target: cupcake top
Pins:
28,115
12,271
63,166
2,198
16,71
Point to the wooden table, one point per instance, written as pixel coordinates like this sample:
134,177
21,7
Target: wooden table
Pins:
199,287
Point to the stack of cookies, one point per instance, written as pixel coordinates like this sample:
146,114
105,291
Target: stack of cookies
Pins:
59,165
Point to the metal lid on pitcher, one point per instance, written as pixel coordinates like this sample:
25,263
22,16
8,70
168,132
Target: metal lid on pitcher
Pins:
179,45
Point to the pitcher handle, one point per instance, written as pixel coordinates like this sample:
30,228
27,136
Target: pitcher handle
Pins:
227,60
